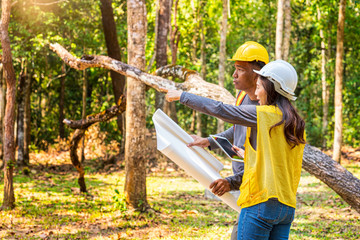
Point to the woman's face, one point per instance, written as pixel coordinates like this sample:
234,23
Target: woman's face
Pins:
260,92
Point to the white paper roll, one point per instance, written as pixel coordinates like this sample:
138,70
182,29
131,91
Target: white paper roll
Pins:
197,162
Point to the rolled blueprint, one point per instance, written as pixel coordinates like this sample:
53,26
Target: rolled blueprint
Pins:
196,161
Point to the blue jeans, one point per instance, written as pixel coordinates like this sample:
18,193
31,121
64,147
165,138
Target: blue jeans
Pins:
268,220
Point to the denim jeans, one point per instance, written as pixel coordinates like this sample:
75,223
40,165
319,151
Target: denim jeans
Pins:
268,220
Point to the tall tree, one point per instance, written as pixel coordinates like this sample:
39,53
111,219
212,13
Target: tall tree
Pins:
222,58
283,30
27,119
163,24
279,29
83,115
9,75
324,86
135,161
23,84
339,69
2,112
113,48
287,30
170,108
62,102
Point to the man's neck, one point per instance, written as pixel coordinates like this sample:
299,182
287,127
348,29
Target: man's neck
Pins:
251,94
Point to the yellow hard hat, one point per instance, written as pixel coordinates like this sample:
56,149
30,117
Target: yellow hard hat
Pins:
251,51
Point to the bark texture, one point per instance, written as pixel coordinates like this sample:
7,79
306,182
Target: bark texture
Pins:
135,161
313,158
23,85
62,102
339,69
279,29
113,49
222,59
163,24
324,86
287,30
9,75
333,174
2,113
27,120
74,143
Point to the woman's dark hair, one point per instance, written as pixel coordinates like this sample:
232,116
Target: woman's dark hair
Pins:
294,125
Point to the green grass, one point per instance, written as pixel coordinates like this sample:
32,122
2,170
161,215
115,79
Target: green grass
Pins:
49,205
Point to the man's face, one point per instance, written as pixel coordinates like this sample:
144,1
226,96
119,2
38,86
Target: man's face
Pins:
244,76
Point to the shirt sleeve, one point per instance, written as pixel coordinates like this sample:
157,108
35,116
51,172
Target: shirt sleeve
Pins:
228,134
236,179
243,115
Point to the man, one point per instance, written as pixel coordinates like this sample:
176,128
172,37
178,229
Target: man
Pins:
249,56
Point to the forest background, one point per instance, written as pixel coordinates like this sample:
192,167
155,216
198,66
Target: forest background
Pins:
57,91
77,26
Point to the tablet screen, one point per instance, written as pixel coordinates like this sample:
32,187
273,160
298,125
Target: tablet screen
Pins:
226,146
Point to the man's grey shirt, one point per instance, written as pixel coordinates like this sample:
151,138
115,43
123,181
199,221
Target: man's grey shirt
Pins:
242,117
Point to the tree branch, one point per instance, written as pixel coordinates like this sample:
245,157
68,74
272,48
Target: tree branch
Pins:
193,82
99,117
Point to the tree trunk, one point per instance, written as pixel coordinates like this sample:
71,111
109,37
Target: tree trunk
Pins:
287,31
198,124
163,25
279,29
83,114
333,174
9,75
195,84
338,82
174,36
222,58
2,114
62,102
170,107
21,115
27,119
113,48
135,160
324,87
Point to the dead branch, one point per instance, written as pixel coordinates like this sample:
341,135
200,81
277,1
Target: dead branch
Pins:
193,82
99,117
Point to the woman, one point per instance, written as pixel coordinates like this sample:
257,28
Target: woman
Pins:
273,151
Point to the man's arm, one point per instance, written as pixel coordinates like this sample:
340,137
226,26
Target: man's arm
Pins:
235,180
245,115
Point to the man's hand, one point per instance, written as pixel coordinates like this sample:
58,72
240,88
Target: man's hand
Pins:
199,141
173,95
220,186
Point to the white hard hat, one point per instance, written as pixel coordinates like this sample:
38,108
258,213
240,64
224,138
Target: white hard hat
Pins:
283,75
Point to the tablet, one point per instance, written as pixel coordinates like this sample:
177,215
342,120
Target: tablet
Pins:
226,146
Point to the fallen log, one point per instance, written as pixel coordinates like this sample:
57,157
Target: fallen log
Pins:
315,162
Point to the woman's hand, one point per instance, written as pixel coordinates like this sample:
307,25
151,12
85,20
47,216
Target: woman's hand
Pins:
173,95
239,151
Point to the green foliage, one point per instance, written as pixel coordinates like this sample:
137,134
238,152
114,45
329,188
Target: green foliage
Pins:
77,26
119,201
